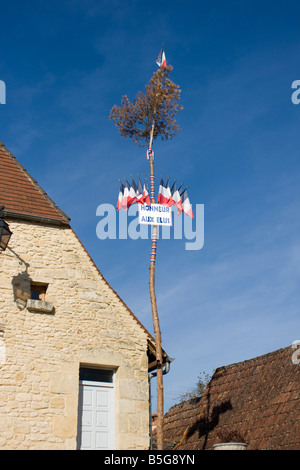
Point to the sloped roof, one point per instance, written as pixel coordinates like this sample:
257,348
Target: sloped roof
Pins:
259,398
21,195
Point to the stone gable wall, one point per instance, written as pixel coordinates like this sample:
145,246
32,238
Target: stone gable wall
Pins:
41,352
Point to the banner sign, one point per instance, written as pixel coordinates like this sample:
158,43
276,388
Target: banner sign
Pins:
155,214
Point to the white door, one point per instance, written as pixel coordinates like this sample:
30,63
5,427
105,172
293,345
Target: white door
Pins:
96,430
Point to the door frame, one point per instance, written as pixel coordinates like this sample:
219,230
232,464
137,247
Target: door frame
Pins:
98,384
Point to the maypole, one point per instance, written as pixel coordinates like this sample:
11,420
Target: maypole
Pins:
150,115
155,318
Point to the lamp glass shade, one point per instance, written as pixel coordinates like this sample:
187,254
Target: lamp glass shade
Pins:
5,234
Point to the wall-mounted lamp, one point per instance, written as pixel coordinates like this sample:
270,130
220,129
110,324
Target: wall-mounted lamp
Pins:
5,233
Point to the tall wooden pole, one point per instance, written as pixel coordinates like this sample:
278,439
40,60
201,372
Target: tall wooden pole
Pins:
156,107
156,326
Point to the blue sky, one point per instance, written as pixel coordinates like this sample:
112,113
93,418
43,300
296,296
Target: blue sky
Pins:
65,64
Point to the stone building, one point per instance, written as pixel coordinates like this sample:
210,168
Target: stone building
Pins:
74,360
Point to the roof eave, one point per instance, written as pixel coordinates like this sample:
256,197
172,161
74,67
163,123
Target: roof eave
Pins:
34,218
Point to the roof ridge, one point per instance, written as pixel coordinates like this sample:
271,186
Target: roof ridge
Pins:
220,370
34,183
252,359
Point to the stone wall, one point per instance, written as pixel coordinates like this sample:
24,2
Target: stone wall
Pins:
41,352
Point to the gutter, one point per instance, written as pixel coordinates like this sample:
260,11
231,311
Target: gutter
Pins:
150,376
33,218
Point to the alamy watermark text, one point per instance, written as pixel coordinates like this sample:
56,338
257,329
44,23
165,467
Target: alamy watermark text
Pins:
2,92
122,224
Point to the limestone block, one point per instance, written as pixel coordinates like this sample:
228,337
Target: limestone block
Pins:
21,428
64,426
133,389
91,296
40,306
62,383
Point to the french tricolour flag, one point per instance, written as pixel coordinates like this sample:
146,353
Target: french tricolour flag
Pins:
176,199
132,193
161,58
120,198
164,193
125,199
139,193
187,208
146,197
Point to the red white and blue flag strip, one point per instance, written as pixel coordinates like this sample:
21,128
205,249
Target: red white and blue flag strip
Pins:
187,208
161,58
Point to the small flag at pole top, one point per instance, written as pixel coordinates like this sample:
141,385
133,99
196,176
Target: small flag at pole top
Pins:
161,58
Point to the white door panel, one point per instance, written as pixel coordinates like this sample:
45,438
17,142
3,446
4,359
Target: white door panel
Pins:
96,416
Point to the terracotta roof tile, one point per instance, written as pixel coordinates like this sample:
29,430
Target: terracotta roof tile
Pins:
21,194
259,397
